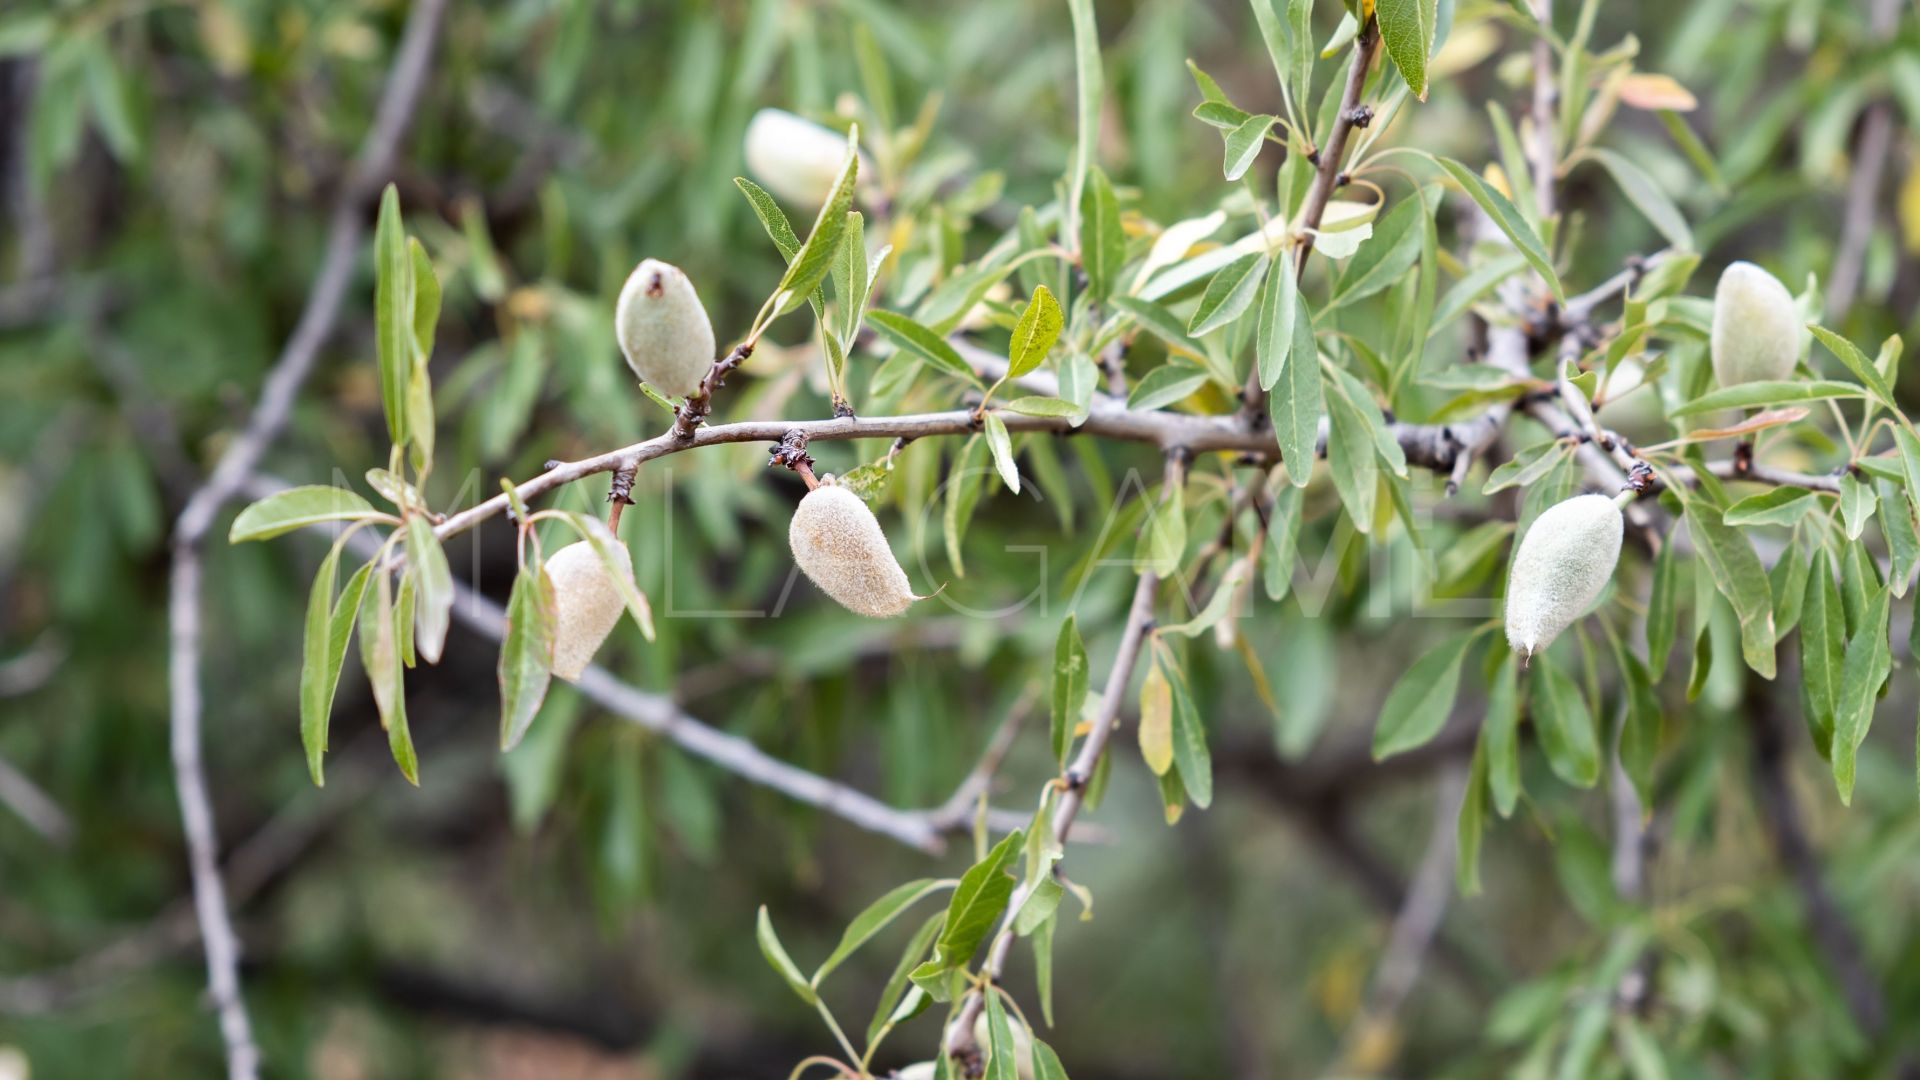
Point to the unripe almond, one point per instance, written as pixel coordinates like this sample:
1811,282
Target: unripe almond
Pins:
795,158
1756,327
840,545
586,604
663,330
1564,562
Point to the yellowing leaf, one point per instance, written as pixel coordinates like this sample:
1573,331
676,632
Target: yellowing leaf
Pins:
1646,90
1156,721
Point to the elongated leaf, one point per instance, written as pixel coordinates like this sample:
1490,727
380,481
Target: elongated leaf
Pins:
526,654
1645,193
426,298
1034,335
772,218
922,343
1046,1063
1903,538
1189,734
319,673
977,903
875,918
1757,422
777,957
1856,362
1070,677
1297,400
1229,294
1499,736
1103,247
1001,444
1662,614
1089,86
1757,394
1156,719
433,610
1737,572
1350,457
393,312
1419,703
815,257
380,656
1823,633
1164,386
1000,1046
1857,503
296,508
1385,259
1042,406
1279,304
1509,220
1565,726
1868,661
1780,506
851,279
898,983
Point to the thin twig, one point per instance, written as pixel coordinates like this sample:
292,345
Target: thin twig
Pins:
960,1043
395,110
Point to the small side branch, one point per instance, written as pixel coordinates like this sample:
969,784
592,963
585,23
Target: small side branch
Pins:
690,415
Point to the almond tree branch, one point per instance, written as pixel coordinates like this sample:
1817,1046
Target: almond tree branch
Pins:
395,110
960,1043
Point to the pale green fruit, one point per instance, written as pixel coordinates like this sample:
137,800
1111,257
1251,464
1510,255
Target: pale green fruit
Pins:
840,545
586,604
663,330
795,158
1564,562
1757,333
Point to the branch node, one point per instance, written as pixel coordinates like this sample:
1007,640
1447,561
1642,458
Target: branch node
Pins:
1359,116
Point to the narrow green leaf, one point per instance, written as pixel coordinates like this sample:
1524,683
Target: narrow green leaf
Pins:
1070,679
1565,726
318,674
1823,633
426,298
815,257
922,343
1297,400
1189,733
1784,505
1509,220
1386,258
526,654
1165,385
393,312
1041,406
851,279
1470,828
1420,701
1645,193
433,611
1350,456
1046,1063
296,508
1662,614
1868,661
1103,247
1000,1046
1856,362
1089,86
1279,303
899,982
1499,735
1737,572
772,218
977,903
777,957
1764,394
1857,503
1229,294
875,918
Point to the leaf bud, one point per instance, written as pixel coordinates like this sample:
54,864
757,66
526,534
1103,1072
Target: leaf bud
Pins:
839,543
1563,564
586,604
663,330
1757,332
